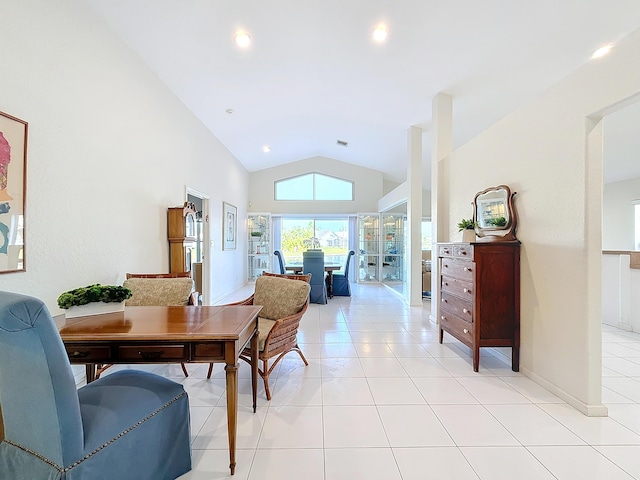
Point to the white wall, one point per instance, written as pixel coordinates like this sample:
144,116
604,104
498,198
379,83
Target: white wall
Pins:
110,148
618,215
368,188
540,152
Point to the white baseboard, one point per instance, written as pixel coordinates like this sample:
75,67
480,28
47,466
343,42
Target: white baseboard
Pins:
590,410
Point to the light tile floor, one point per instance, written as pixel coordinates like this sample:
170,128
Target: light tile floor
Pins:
382,400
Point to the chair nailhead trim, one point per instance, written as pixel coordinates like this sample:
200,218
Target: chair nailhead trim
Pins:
89,455
37,455
122,434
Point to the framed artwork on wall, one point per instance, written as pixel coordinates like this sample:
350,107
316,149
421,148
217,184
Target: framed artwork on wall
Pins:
13,185
229,226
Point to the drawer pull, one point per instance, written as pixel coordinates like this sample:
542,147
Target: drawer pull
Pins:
78,354
464,310
466,291
156,354
467,269
464,253
465,330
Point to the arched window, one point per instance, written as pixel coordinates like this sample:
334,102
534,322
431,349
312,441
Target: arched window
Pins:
313,186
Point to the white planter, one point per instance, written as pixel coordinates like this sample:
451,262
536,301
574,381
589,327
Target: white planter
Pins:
95,308
468,236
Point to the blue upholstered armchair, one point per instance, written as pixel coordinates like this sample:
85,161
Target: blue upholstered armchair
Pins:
313,263
127,425
341,285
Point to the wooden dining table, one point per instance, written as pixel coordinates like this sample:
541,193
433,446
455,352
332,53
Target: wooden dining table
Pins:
202,334
328,267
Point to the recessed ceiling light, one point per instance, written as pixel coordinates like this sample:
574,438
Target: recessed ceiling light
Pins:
380,33
243,39
266,149
602,51
229,111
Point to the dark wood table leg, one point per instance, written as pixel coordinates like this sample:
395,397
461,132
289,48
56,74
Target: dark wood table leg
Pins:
254,369
90,369
330,292
232,411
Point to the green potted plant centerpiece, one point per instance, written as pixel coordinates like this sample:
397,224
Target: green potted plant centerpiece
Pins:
467,227
93,300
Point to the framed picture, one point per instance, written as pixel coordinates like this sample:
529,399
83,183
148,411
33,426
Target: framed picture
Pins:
13,185
229,226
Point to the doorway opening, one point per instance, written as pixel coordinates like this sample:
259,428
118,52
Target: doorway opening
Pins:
200,264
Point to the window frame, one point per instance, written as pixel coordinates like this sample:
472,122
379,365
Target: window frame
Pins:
314,183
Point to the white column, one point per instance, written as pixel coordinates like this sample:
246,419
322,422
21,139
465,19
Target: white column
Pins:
414,215
441,148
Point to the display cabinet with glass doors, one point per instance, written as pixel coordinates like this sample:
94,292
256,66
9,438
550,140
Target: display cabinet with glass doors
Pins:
258,244
368,254
393,247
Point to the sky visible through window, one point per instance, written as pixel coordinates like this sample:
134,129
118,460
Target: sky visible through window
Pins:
313,186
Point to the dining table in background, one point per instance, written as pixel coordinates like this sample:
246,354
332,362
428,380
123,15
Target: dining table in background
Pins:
329,268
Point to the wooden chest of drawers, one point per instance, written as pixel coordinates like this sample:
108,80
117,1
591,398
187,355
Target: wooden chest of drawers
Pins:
480,296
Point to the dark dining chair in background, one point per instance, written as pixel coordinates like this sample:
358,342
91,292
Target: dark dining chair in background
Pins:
313,263
278,254
341,286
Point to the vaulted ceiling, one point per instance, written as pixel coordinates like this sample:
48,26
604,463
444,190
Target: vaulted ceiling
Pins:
312,75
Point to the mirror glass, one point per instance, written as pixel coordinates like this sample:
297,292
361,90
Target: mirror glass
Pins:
495,214
492,209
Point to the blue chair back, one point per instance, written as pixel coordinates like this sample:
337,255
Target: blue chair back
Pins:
128,425
346,267
278,254
313,263
37,388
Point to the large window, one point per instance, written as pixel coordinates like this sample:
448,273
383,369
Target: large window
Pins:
313,186
300,234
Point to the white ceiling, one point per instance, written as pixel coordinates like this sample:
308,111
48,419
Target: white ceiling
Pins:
313,76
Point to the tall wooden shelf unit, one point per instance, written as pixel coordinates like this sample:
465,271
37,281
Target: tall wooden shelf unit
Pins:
181,231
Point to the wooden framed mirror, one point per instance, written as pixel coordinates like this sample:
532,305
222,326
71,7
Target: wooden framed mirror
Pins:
495,215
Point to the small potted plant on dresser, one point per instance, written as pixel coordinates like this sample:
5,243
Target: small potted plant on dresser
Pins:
93,300
467,227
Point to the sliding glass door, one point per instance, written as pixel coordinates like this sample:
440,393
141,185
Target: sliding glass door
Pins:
329,234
